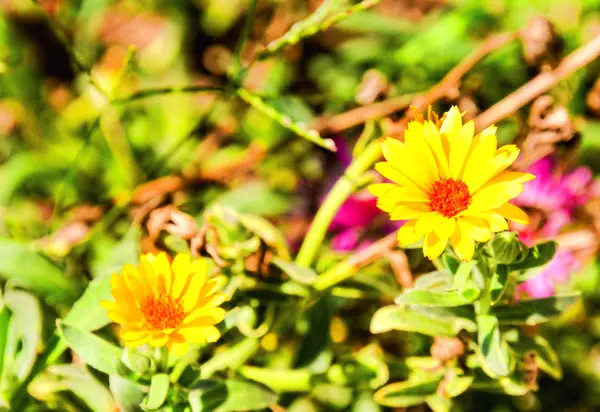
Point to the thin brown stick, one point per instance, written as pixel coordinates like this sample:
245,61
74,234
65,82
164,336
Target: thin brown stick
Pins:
539,84
454,76
378,110
363,114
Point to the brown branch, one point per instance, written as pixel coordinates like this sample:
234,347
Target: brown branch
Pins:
453,78
539,84
363,114
387,107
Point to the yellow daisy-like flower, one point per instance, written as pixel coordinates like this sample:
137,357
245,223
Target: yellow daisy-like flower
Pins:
160,304
450,185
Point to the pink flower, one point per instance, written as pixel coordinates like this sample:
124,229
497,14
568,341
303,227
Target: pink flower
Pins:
556,195
356,215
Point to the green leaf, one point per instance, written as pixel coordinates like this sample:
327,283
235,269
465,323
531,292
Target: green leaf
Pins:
438,280
462,275
499,282
230,395
439,403
451,263
495,357
304,404
27,268
79,381
546,358
157,394
231,357
255,198
534,311
365,403
315,346
86,314
506,385
94,351
457,385
24,333
267,232
129,395
4,322
300,274
411,392
436,298
406,319
335,396
280,380
538,255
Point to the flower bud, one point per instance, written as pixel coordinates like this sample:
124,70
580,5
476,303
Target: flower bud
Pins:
506,248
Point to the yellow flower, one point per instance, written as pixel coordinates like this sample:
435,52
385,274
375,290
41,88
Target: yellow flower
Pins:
449,185
160,304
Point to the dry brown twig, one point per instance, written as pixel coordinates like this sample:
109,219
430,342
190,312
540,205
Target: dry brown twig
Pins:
539,84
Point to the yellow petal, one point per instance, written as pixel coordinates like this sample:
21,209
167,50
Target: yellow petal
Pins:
495,195
124,318
407,235
462,243
437,145
510,176
200,334
181,274
445,227
380,189
496,222
476,227
514,213
193,292
452,123
396,175
138,289
477,168
397,195
148,275
207,315
460,148
434,245
403,160
177,345
134,343
409,211
133,334
163,272
428,222
158,339
418,148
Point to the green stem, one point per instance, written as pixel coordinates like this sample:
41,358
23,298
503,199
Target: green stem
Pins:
342,189
162,357
282,380
143,94
485,299
260,105
323,18
236,71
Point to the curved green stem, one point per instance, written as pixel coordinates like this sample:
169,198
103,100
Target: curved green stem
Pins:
342,189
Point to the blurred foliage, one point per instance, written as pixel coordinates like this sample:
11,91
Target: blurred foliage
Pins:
111,111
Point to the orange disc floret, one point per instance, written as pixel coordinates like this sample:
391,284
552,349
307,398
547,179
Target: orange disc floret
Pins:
163,312
449,197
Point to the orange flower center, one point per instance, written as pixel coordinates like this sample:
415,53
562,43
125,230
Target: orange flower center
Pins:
449,197
163,312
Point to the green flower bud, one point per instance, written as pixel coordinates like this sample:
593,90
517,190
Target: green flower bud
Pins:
506,248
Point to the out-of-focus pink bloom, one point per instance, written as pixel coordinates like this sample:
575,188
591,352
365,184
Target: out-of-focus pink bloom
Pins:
555,195
558,270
